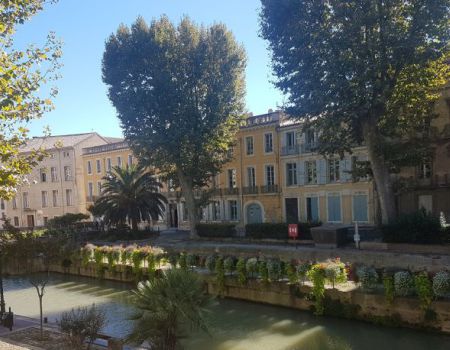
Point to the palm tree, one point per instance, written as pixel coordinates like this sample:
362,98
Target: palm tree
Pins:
169,307
130,194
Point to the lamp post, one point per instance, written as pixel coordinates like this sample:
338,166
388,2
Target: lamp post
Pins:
356,236
2,297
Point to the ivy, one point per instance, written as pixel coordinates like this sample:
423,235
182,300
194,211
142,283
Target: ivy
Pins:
424,290
317,276
241,271
389,289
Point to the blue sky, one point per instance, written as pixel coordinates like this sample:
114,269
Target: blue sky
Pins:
82,104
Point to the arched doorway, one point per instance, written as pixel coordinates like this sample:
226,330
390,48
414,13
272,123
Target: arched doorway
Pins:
254,214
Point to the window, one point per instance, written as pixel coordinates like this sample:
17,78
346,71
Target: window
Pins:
16,221
230,152
69,199
333,170
45,220
25,200
53,174
67,173
424,171
108,164
89,167
249,145
130,160
99,188
270,175
14,203
311,172
66,154
98,166
291,174
251,178
231,178
312,208
232,204
90,190
290,139
216,210
268,143
310,137
55,198
44,197
43,175
334,207
119,162
360,207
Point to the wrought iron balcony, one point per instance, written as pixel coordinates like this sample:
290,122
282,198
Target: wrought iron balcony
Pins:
290,150
269,189
250,190
309,147
231,191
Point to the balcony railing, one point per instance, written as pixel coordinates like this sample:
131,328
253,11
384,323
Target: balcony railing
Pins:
231,191
309,147
250,190
269,189
290,150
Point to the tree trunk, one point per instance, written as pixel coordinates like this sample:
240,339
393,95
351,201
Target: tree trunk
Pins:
134,224
188,193
40,311
380,170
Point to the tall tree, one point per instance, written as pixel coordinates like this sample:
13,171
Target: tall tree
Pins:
22,74
363,71
179,92
130,194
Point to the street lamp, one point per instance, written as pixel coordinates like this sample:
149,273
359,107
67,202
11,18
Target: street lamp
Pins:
2,297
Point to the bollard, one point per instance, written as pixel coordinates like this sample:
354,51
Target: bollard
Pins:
115,344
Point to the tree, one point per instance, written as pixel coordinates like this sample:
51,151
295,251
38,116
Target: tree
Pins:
362,71
130,194
179,94
168,308
22,75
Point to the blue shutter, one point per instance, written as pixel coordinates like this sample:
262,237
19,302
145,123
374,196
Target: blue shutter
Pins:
360,207
321,165
345,165
315,208
301,172
334,208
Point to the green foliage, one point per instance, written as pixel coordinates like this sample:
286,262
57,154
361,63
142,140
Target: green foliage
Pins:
302,270
220,275
274,270
368,277
263,272
229,264
291,273
191,260
24,75
130,194
87,253
182,261
441,284
241,271
137,258
277,231
419,227
403,283
424,290
168,309
192,81
317,277
210,263
251,266
216,230
358,71
67,220
389,289
335,272
151,265
113,256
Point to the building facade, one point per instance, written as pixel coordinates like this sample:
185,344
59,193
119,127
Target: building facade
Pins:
56,186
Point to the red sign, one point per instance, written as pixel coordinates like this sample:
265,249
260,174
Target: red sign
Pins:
293,231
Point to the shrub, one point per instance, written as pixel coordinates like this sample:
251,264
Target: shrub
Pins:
424,290
317,276
210,263
418,227
241,271
441,284
389,289
403,283
278,230
67,220
274,270
81,324
216,230
368,277
113,255
182,261
335,271
87,253
263,272
302,270
290,271
229,264
191,260
137,258
251,266
151,264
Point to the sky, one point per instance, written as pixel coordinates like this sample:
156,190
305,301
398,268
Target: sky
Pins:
82,104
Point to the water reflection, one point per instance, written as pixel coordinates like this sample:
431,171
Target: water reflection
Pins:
234,325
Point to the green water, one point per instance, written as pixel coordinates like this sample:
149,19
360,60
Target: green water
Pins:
234,325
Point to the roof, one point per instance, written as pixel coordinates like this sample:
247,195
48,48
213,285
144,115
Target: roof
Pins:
55,141
113,139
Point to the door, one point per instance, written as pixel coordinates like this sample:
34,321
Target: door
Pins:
254,214
30,220
291,205
312,209
173,215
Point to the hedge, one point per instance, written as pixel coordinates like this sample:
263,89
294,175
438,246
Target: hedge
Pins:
278,230
216,230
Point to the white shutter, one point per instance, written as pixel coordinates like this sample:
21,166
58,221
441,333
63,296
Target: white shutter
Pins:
301,173
321,165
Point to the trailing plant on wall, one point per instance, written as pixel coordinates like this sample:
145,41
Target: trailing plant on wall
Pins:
229,264
137,258
302,271
403,283
291,272
241,271
87,253
389,289
263,272
113,256
274,269
317,276
424,290
210,263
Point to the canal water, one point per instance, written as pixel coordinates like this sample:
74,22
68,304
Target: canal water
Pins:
234,325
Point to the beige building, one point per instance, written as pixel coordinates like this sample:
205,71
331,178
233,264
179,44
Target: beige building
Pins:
56,186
